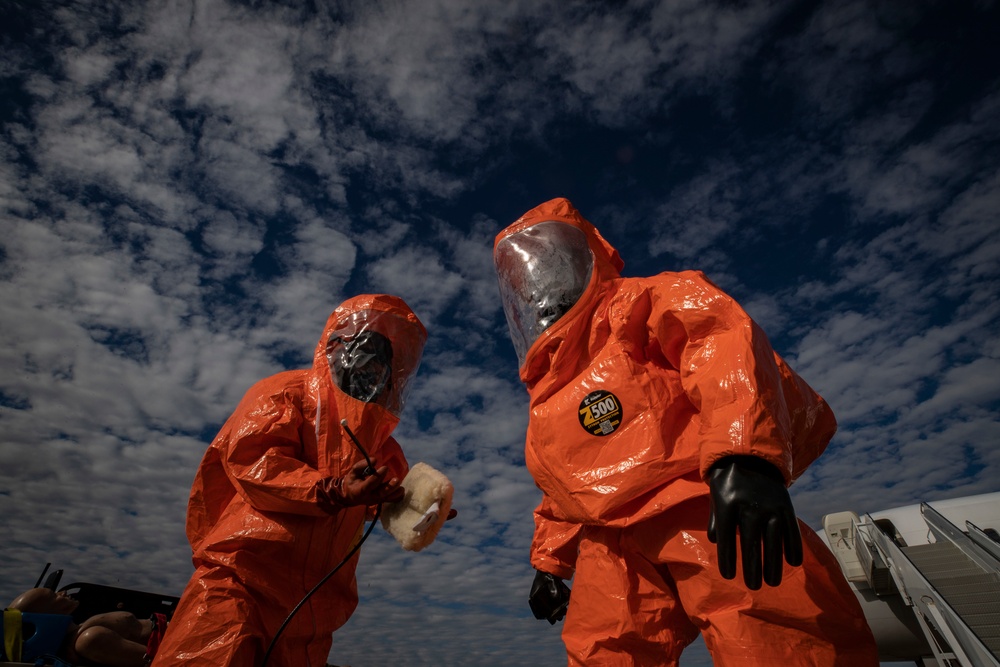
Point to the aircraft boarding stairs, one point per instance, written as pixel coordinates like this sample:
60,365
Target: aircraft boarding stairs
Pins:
950,585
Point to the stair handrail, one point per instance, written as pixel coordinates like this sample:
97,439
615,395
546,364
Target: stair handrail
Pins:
979,536
918,592
944,529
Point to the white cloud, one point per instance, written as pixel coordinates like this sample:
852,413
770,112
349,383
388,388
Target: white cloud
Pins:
417,274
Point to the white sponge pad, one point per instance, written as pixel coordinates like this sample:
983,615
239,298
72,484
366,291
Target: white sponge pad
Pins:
416,519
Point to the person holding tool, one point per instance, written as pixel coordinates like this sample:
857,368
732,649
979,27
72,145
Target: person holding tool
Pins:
282,494
661,421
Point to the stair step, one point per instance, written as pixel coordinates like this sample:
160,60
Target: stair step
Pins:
972,592
976,597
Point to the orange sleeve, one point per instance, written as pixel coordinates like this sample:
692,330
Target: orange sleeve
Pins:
261,453
554,546
728,370
812,420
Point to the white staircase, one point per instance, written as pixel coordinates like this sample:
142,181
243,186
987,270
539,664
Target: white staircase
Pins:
949,582
972,593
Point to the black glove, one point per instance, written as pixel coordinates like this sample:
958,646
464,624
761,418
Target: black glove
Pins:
549,597
749,494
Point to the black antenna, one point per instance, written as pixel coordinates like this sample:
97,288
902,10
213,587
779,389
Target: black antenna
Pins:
370,470
42,575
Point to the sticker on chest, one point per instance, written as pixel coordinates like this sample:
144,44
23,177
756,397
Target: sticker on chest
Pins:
600,412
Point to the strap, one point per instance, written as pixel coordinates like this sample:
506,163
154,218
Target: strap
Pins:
12,634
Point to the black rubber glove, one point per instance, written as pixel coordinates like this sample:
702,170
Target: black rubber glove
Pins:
549,597
748,494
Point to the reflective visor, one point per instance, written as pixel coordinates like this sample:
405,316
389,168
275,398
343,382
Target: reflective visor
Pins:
542,270
373,355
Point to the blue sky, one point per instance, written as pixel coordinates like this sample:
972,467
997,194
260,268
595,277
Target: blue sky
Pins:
187,189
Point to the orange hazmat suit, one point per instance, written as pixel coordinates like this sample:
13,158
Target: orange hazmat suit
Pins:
637,386
264,520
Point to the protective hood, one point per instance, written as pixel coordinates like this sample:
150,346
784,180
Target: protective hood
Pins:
370,350
547,262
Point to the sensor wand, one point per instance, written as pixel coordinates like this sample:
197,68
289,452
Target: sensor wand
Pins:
370,470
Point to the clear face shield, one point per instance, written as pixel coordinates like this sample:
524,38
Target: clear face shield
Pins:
543,271
372,357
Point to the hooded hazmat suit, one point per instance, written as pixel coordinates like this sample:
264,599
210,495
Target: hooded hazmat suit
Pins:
263,523
637,386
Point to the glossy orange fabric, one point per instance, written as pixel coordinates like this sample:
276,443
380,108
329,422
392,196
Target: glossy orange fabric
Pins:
660,586
636,392
260,542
